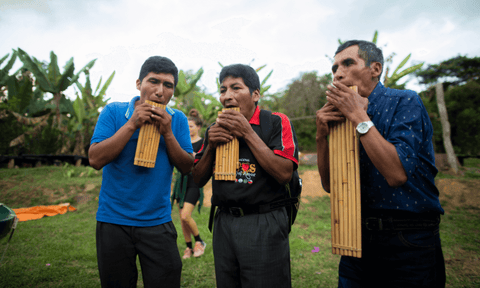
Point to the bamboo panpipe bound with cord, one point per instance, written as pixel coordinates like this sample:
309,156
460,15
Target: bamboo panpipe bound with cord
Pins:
345,188
226,159
148,140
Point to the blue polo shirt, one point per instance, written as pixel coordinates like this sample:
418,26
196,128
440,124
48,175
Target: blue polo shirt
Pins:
133,195
401,118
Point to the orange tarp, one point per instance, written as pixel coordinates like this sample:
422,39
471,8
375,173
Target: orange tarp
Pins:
37,212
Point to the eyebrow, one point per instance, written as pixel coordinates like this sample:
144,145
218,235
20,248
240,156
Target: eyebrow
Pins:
344,62
158,80
231,85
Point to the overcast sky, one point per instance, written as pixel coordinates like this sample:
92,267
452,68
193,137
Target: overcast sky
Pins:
291,37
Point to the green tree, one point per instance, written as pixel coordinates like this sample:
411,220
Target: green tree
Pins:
49,78
86,111
6,79
17,105
463,104
188,95
301,100
454,71
460,100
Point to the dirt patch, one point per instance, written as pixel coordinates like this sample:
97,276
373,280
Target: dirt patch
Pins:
465,263
459,193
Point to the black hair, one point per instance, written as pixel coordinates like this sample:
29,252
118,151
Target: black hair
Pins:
247,73
159,64
194,116
368,51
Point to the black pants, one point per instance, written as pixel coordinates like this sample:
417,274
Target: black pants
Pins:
252,251
156,247
396,259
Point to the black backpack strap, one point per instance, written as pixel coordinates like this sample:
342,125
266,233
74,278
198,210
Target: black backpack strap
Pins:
265,125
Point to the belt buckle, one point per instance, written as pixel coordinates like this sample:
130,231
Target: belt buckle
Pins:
374,222
236,211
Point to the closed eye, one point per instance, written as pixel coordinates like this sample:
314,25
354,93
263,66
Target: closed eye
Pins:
347,62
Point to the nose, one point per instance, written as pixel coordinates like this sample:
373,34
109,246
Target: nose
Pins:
159,91
227,95
338,75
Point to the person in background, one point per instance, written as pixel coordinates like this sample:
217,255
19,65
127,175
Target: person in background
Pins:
134,211
400,206
187,193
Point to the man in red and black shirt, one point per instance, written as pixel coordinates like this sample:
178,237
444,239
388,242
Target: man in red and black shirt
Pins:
250,243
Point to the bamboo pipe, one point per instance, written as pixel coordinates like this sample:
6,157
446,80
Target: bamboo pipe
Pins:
227,155
147,143
345,189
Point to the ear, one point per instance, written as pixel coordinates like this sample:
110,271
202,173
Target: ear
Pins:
376,69
139,83
256,95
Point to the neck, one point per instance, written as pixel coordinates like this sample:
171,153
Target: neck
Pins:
195,138
370,89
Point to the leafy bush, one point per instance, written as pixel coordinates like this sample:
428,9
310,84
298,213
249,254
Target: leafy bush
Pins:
46,141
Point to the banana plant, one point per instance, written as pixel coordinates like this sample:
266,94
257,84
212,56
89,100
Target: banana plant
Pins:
86,110
185,92
4,72
391,81
184,87
50,79
209,111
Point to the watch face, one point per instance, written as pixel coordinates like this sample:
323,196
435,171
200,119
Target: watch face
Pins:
362,127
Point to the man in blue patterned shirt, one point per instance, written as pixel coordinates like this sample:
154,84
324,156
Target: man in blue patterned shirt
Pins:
400,205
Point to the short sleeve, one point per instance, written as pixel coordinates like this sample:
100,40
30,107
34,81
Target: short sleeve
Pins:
283,140
105,127
183,132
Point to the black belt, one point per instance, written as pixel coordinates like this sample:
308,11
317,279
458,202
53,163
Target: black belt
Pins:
258,209
246,210
394,224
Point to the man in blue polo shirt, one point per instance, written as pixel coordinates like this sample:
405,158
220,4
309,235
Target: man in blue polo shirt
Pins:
400,205
134,211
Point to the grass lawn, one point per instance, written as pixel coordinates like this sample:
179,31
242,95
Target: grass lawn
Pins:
60,251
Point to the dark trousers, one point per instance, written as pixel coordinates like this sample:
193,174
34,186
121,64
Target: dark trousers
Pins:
156,247
252,251
410,259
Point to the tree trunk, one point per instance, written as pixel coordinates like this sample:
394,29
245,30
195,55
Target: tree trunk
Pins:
57,96
447,142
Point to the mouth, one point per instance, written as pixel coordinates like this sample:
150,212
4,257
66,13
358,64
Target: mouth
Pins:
229,105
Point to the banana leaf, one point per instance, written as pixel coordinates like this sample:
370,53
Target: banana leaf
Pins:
402,64
37,70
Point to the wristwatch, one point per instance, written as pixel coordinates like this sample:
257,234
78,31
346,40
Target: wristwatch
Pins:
363,127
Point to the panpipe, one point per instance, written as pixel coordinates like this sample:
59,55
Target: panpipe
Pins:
226,159
148,140
345,188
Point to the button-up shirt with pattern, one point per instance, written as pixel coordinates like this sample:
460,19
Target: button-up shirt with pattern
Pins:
401,118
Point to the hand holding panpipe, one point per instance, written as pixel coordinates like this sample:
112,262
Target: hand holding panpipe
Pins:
148,140
226,158
345,188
